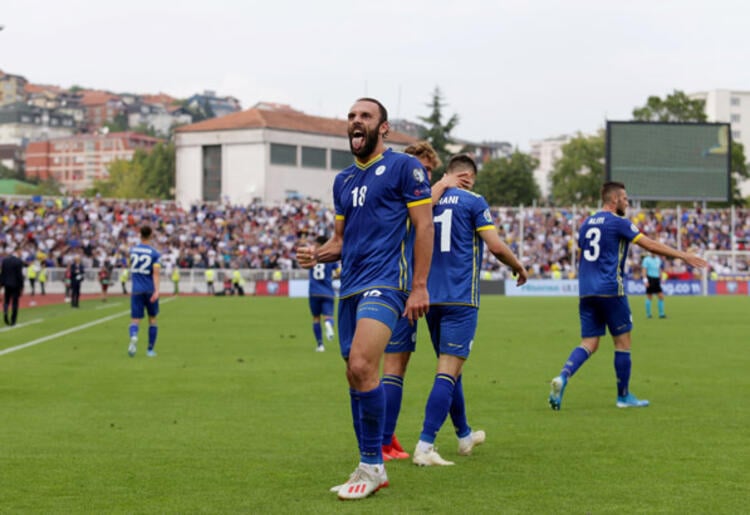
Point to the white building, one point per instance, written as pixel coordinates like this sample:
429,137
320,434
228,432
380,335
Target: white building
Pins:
733,107
547,151
270,152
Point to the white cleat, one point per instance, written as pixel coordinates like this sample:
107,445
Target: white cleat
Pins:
320,348
133,346
429,458
329,331
466,444
365,481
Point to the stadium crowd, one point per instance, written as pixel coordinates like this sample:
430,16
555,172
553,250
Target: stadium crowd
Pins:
259,236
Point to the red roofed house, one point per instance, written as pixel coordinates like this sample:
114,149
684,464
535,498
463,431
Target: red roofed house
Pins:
76,161
270,152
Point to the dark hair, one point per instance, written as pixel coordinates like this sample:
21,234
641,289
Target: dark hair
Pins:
321,240
461,162
381,107
146,231
610,187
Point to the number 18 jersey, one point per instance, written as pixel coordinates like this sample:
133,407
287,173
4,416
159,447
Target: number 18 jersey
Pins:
603,240
143,259
373,201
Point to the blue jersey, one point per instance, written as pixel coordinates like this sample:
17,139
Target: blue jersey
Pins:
603,240
373,200
652,264
321,280
143,259
459,217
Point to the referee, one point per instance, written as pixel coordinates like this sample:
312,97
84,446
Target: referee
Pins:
652,269
11,278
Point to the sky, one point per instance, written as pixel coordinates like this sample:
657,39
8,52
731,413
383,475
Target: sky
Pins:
512,70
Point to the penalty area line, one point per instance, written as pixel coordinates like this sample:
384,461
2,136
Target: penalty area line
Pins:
68,331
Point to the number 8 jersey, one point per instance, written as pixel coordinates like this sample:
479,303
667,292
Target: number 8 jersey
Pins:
143,259
603,240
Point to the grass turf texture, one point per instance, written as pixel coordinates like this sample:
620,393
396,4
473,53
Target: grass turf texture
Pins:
239,414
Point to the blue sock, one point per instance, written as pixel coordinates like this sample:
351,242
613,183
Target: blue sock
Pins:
648,307
438,405
318,333
153,330
458,410
356,417
660,304
394,392
577,358
372,419
134,330
622,370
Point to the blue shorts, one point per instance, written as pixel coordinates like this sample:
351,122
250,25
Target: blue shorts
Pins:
385,306
452,329
140,302
596,313
404,337
321,306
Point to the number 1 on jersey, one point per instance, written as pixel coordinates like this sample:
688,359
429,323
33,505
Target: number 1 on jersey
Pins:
445,220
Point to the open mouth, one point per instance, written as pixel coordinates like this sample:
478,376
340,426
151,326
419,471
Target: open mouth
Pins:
357,138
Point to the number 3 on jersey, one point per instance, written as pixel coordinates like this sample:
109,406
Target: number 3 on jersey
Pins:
593,236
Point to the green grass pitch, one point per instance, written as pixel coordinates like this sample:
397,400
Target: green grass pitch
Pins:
238,414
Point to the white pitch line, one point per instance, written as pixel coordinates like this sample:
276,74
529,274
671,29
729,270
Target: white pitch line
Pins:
69,331
18,326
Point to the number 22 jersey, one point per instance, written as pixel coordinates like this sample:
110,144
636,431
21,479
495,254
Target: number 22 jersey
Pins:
143,259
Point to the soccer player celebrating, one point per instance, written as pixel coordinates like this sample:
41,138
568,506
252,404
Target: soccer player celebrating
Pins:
145,264
383,235
321,294
463,224
603,241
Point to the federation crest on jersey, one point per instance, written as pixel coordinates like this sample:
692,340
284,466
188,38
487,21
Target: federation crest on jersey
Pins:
418,174
488,215
380,170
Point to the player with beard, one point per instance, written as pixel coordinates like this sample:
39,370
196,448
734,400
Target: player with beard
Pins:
383,234
603,240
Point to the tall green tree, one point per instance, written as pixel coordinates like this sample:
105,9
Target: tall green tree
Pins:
438,132
509,181
678,107
578,175
159,171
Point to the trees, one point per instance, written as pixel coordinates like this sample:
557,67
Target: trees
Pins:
677,107
147,175
578,175
438,133
509,181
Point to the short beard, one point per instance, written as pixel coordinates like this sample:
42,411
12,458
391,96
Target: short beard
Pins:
620,212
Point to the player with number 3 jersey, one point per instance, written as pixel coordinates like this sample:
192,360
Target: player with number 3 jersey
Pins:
603,240
145,264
